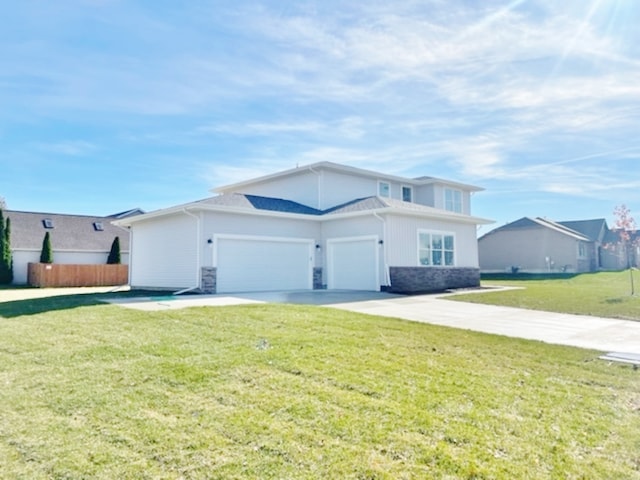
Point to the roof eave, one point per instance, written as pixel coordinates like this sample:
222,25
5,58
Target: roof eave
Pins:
468,219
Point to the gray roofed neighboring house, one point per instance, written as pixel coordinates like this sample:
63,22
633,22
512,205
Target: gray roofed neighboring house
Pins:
540,245
78,239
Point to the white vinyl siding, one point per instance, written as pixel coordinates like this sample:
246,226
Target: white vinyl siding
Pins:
401,242
302,188
164,253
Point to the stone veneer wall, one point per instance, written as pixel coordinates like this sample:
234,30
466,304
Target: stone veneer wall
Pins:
208,280
432,279
317,279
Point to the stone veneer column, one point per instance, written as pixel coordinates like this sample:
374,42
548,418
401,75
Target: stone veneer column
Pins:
208,280
317,279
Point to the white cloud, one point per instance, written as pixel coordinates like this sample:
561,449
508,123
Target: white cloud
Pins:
70,147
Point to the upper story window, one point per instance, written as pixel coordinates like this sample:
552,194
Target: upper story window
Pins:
384,189
436,249
453,200
47,223
407,194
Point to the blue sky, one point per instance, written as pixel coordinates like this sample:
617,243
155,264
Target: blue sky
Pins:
107,105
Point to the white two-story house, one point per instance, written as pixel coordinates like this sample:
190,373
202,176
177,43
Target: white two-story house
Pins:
319,226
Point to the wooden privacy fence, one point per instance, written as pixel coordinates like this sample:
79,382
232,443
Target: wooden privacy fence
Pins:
61,275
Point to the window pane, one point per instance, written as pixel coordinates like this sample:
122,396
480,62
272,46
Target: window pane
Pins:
448,258
383,189
406,194
453,200
425,240
448,242
437,257
436,242
425,257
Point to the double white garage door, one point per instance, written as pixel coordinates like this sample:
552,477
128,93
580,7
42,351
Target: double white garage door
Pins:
246,264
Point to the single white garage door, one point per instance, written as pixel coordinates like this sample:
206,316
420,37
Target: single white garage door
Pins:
353,263
254,264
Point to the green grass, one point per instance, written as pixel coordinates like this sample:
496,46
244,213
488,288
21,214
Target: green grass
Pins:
293,392
605,294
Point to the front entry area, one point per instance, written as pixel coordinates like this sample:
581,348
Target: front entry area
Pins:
353,263
261,264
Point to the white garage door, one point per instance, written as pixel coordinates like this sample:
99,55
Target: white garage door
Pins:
353,263
254,264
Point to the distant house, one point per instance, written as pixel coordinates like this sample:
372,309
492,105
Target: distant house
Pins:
75,239
539,245
324,225
615,252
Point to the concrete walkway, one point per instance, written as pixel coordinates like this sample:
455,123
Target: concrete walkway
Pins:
597,333
605,334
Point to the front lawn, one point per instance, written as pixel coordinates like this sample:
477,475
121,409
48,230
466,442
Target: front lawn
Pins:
295,392
604,294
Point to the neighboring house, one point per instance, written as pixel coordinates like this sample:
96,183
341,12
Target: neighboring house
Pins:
75,239
615,252
539,245
321,226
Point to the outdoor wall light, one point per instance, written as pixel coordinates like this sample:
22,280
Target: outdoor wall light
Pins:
209,241
380,242
317,246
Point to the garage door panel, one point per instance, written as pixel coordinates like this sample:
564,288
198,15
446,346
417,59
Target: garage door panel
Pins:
247,264
353,264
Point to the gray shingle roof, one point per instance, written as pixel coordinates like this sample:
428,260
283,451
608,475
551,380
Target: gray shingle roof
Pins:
595,230
358,205
255,202
69,232
527,222
592,229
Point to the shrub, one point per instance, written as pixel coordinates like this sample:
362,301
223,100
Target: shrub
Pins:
46,256
6,259
114,254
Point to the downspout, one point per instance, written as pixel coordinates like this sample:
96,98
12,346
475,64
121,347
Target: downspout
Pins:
319,174
387,276
130,263
198,228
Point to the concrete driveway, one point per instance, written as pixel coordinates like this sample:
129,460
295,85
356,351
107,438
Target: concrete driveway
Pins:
597,333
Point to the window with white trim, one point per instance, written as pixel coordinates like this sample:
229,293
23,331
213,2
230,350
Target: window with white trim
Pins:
407,193
384,189
436,249
453,200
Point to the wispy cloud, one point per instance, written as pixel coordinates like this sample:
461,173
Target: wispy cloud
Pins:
73,148
540,94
